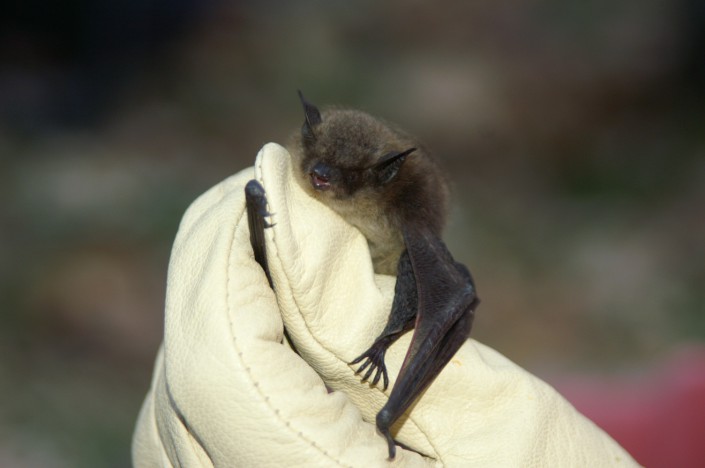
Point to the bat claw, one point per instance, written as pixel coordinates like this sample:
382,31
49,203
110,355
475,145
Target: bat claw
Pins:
377,376
383,422
381,373
368,374
374,361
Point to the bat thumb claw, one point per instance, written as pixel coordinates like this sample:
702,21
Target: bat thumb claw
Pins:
390,445
384,418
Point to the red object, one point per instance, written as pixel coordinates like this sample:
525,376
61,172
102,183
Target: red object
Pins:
658,417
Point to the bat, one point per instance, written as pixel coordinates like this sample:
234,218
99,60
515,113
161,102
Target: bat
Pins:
384,183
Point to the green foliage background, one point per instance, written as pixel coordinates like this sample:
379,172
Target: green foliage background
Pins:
573,133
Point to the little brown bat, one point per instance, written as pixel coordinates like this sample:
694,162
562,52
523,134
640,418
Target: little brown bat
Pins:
385,184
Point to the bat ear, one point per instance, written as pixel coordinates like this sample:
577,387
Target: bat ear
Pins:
313,118
388,165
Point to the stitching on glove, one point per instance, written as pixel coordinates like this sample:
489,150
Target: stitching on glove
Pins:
259,175
253,381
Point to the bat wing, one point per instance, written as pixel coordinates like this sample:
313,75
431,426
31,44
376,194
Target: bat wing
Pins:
446,308
401,319
256,204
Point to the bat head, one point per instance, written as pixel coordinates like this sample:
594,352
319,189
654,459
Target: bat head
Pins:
347,154
372,174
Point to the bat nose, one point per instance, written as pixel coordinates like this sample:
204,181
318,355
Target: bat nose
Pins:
320,177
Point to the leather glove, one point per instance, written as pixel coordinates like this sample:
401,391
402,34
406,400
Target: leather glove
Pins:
228,390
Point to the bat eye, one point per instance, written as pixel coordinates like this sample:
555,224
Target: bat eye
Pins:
320,177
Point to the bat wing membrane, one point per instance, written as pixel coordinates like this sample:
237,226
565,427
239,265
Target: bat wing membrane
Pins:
446,305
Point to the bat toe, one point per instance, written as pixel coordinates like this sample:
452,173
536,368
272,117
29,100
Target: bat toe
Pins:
374,364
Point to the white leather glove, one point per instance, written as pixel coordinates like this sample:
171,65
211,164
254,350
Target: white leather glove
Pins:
228,391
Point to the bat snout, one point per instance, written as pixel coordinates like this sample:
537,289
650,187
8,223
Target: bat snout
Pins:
320,177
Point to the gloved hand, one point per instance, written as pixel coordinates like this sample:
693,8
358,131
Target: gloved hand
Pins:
228,390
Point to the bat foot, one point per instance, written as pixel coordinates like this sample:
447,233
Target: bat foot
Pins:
373,361
256,208
256,195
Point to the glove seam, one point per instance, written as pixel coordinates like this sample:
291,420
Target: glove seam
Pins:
264,398
259,175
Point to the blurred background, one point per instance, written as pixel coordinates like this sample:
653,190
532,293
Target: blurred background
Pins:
574,133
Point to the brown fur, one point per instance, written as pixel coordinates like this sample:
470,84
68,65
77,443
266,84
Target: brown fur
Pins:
351,143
